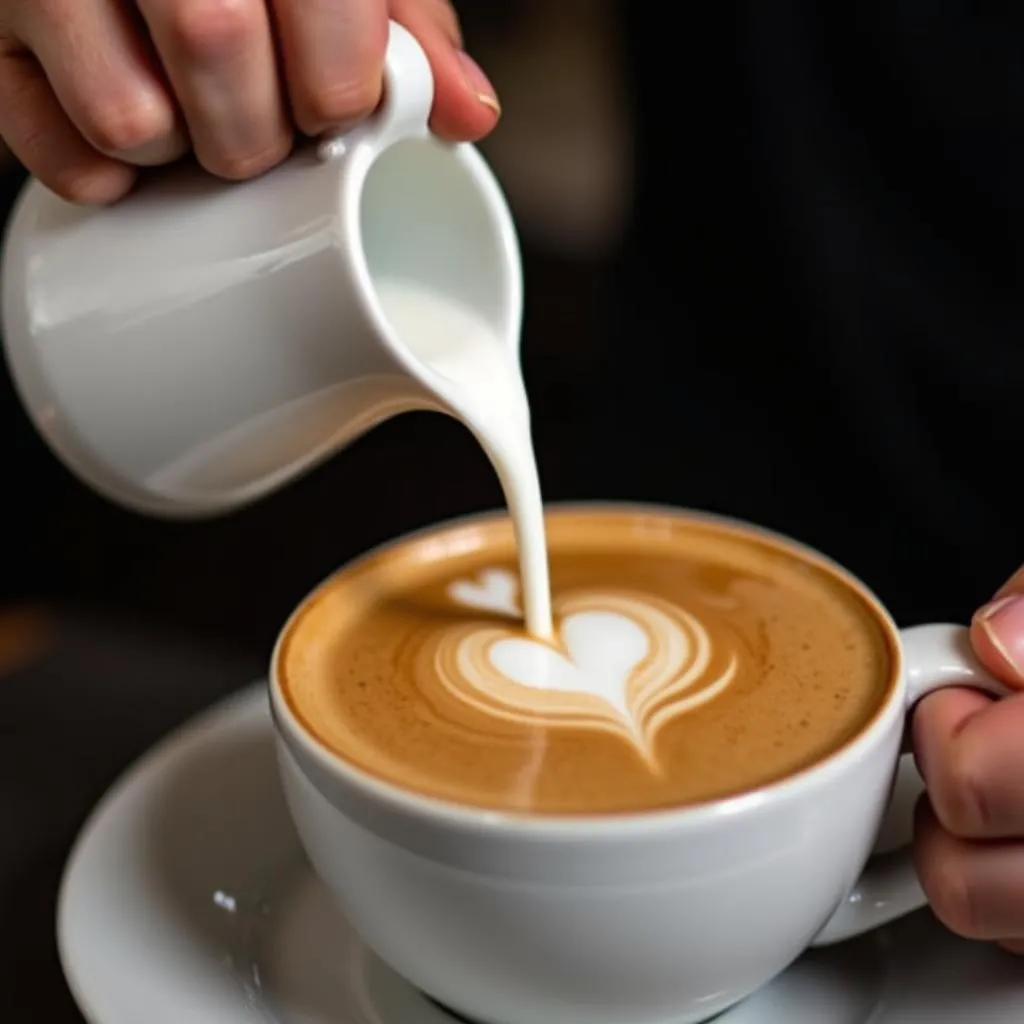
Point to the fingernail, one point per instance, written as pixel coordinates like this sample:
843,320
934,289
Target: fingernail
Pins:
480,83
1003,623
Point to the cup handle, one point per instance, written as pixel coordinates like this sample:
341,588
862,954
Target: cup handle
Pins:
936,657
404,112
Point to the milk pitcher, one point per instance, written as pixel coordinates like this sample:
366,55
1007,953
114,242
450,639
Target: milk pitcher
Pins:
200,344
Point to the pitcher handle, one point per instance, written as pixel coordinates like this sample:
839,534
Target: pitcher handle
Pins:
404,112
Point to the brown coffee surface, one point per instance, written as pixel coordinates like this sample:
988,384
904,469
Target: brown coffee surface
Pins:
796,656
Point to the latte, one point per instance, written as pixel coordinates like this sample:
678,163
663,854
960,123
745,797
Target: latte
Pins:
692,659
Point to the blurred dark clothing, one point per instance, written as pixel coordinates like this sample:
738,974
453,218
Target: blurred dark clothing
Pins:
23,458
818,325
821,322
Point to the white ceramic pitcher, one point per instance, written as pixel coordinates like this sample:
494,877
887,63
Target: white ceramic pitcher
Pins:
200,344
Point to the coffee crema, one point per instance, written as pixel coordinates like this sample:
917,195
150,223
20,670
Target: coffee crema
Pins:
693,659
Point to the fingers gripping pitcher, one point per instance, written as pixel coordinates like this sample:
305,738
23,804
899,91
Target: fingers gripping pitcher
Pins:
198,345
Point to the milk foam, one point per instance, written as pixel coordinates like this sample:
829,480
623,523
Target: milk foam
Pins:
485,385
619,663
769,661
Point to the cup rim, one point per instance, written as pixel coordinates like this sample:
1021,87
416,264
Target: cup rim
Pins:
525,824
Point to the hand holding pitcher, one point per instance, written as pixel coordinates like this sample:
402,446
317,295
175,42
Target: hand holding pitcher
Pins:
91,91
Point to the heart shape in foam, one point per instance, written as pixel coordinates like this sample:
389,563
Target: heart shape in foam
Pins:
601,651
494,590
628,663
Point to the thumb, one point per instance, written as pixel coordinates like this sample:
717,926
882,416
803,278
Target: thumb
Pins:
997,633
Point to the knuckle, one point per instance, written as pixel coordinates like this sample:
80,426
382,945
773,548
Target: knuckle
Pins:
132,122
440,14
211,29
950,896
444,14
961,800
243,166
339,103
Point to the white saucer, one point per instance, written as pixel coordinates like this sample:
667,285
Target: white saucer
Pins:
188,899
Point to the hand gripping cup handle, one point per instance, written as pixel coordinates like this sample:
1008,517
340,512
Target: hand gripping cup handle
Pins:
935,657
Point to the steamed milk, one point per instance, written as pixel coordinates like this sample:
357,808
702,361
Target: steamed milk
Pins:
487,386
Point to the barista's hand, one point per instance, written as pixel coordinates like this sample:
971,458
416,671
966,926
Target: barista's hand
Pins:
970,829
92,89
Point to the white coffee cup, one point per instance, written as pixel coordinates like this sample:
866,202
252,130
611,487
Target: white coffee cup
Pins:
200,343
667,916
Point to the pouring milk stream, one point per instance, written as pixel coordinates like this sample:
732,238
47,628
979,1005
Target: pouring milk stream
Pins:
492,402
200,344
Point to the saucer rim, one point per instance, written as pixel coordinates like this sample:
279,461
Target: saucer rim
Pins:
231,711
188,731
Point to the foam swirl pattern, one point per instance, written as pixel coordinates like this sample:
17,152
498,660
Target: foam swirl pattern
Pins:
690,660
621,663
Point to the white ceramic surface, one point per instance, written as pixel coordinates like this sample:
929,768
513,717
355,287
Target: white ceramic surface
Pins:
619,918
187,898
198,344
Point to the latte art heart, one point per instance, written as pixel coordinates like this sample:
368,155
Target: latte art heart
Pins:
495,590
622,663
